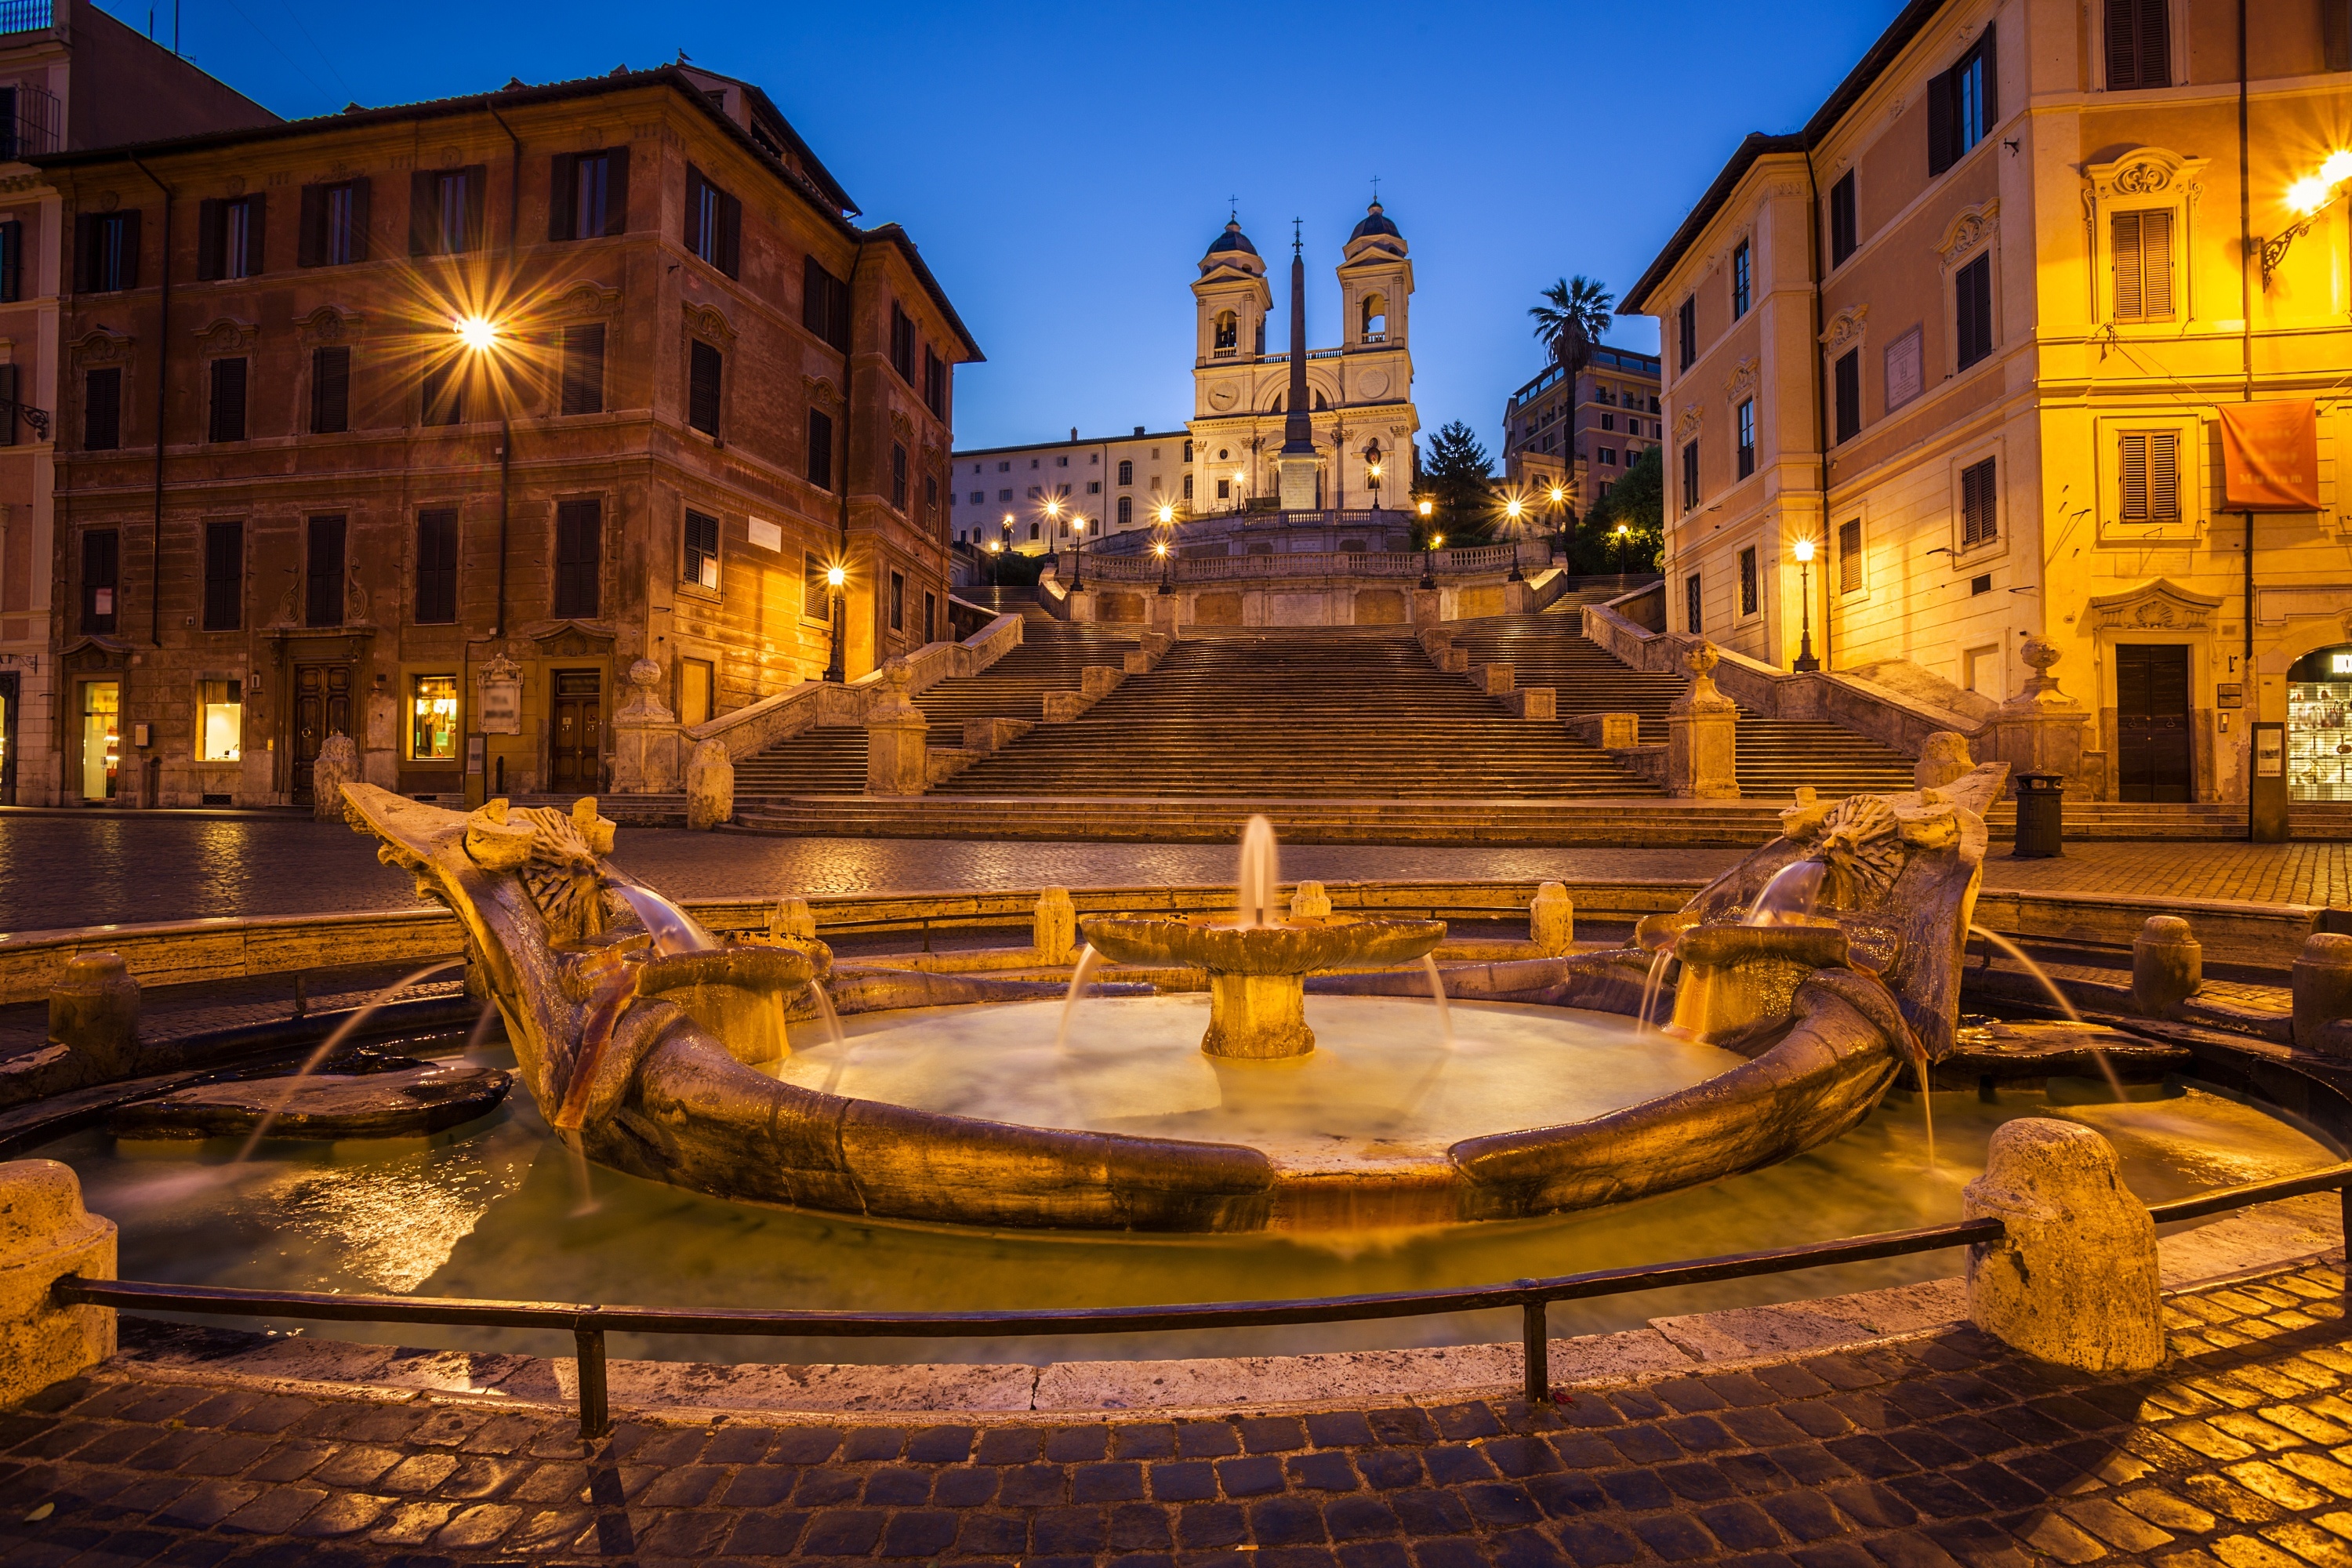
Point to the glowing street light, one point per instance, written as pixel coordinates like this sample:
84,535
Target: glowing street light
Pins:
478,333
1160,548
834,576
2309,197
1624,532
1804,553
1078,572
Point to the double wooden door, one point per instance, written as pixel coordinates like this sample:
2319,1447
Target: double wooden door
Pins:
576,743
322,706
2153,749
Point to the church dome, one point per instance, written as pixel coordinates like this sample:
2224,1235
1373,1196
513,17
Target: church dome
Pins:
1375,222
1230,240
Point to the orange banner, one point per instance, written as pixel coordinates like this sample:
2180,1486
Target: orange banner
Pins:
2270,457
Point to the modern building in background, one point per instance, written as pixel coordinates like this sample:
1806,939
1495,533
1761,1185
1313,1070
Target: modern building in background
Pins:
1973,332
1582,438
71,76
465,406
1036,499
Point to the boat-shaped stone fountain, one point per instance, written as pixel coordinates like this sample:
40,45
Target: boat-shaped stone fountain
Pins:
662,1051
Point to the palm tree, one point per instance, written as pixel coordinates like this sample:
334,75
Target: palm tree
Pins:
1569,322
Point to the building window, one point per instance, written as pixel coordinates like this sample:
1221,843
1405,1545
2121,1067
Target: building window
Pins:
1844,238
441,393
330,390
100,566
1972,310
1980,519
101,409
1690,476
1607,455
1905,372
703,368
815,588
1188,487
824,304
224,576
899,476
902,344
2143,251
220,721
700,551
930,616
930,499
228,400
1691,601
436,566
1127,470
1850,556
1224,489
433,718
1687,334
333,224
322,572
445,210
1963,104
582,385
935,384
1742,281
1188,451
229,238
1229,332
898,603
1749,598
714,223
1126,512
2139,45
2150,470
106,247
696,681
1747,437
820,449
1849,395
589,194
579,557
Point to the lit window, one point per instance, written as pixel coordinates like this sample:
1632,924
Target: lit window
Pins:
220,722
433,718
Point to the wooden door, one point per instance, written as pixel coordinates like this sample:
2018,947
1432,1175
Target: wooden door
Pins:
322,706
2152,742
576,743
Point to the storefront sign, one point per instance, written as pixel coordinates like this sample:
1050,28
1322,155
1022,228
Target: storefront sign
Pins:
2270,750
2270,456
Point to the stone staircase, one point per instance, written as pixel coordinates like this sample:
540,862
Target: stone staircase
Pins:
1775,755
1327,713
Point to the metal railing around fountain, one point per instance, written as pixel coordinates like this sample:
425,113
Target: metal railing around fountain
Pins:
590,1324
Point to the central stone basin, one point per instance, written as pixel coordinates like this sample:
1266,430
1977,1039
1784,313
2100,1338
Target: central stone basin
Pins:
1257,973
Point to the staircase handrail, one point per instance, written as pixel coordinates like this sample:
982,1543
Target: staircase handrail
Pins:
811,704
1465,561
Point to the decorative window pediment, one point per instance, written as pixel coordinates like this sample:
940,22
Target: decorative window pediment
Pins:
1844,331
2157,606
1741,380
329,324
1970,227
704,321
2143,172
585,298
1687,422
822,391
226,335
102,345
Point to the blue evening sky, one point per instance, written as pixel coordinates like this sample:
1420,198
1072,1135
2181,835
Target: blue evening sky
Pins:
1063,167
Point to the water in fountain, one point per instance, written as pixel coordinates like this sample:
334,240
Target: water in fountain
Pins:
326,1049
1655,983
1088,962
481,1029
673,930
1259,875
2056,996
1927,1111
1790,896
1437,994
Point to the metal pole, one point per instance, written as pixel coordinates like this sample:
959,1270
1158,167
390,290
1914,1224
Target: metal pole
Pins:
595,1410
1535,1340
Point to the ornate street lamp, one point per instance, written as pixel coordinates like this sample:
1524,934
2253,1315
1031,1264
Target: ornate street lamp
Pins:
1513,511
834,578
1160,546
1805,660
1624,533
1558,498
2309,197
1078,572
1428,577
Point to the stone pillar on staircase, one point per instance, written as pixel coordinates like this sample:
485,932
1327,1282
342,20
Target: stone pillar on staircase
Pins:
647,739
896,732
1428,607
1702,734
2040,730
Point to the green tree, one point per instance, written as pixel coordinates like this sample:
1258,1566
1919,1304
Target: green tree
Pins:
1639,503
1459,478
1571,318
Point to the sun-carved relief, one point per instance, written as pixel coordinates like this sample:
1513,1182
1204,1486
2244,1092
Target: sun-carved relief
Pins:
1970,227
709,323
1845,329
226,335
821,393
329,324
1741,380
102,345
587,297
1687,422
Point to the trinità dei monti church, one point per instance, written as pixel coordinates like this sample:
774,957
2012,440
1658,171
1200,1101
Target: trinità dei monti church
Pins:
1228,457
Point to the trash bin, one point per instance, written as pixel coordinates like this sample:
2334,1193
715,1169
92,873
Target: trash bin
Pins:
2041,817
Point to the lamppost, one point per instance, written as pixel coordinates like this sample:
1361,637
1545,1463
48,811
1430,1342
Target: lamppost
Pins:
1805,660
1372,481
1513,509
1078,572
1428,577
1624,532
1558,498
995,564
1159,547
834,578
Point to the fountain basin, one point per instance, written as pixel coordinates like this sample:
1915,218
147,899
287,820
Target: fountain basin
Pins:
1739,980
1256,973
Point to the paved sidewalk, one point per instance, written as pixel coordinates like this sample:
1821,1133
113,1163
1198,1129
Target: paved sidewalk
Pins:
90,870
1941,1450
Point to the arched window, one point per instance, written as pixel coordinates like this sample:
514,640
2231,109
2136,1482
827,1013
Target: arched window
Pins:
1188,451
1261,338
1229,331
1127,511
1320,406
1376,318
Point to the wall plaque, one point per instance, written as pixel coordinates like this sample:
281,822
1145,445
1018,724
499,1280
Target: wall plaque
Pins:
498,704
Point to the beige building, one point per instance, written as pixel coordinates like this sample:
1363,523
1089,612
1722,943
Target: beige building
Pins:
1583,436
1110,484
1969,330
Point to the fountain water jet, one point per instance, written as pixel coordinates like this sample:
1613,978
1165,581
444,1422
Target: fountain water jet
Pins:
1437,994
1080,973
327,1047
2056,996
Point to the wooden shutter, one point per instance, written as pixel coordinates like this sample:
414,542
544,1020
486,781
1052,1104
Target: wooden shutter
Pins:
359,218
330,390
423,220
478,189
436,566
583,369
224,575
820,449
323,575
2139,44
731,235
2131,304
563,196
1849,395
2163,476
101,409
578,548
702,387
2143,265
2133,474
311,239
616,189
256,229
12,261
2335,34
694,183
228,400
1987,50
84,270
129,277
211,224
1849,555
8,415
1943,121
1980,523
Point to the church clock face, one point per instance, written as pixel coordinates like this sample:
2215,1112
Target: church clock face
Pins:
1222,395
1373,383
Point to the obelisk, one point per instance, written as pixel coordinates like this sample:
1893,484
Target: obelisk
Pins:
1297,466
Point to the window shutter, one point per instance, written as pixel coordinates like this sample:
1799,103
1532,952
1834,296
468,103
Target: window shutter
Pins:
1942,116
731,235
101,409
694,183
12,261
2123,44
2335,34
310,244
2164,474
617,191
1849,555
583,369
359,218
820,449
702,389
1979,522
2134,472
131,249
2156,263
2131,304
212,218
330,390
228,400
1987,49
478,188
256,245
562,197
85,272
8,418
422,218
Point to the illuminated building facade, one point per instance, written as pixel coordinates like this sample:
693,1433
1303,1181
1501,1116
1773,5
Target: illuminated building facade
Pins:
1581,436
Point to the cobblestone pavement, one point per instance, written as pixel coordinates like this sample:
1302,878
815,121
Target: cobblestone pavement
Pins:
70,871
1929,1452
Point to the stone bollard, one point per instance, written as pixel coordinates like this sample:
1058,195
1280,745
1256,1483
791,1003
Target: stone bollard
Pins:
338,763
1943,760
46,1234
2074,1281
709,786
1056,927
1310,902
94,1010
2168,966
2323,991
1552,921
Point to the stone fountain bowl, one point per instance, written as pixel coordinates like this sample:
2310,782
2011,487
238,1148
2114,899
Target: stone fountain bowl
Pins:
1304,946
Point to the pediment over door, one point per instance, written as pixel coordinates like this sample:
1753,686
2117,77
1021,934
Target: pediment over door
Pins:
2158,605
